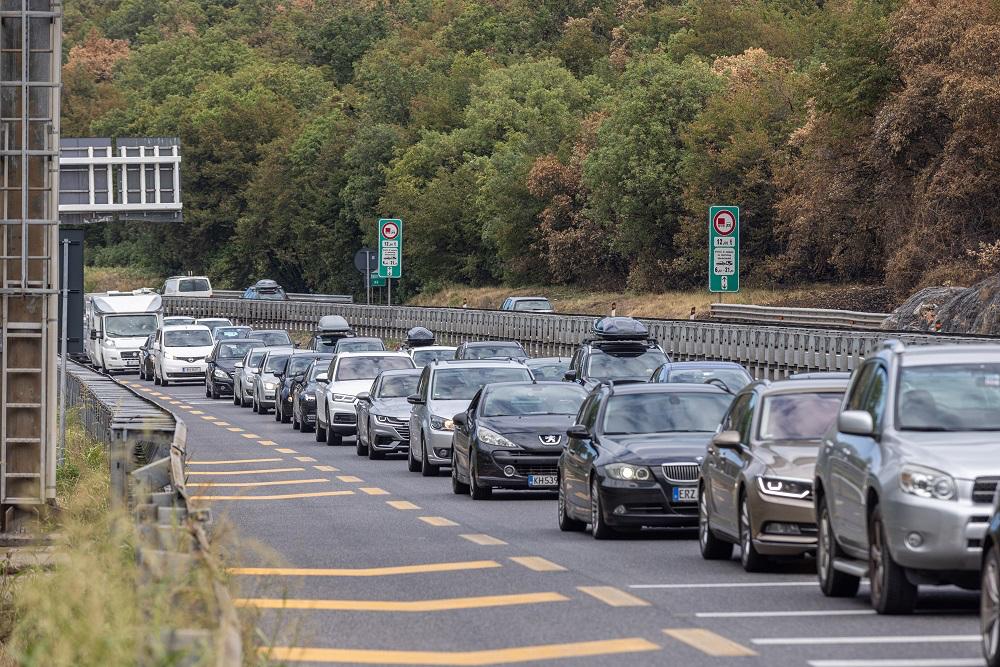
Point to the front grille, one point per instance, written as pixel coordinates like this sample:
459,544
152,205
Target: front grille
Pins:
130,355
525,469
681,472
403,431
984,488
344,418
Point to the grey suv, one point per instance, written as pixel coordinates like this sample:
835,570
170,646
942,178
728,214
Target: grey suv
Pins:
905,478
445,389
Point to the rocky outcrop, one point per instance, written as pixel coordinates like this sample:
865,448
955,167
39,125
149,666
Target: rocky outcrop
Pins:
975,310
921,311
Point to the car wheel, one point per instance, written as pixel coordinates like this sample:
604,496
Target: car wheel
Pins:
751,560
320,431
891,591
295,420
412,464
285,418
427,470
156,378
253,402
567,524
476,490
989,608
458,487
164,382
833,583
237,396
216,392
360,448
712,547
333,439
598,527
372,454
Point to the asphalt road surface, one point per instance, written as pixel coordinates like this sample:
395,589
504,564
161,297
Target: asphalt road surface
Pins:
366,563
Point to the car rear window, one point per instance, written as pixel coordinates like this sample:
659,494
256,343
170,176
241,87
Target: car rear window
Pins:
532,304
798,416
360,346
493,351
423,357
194,285
272,338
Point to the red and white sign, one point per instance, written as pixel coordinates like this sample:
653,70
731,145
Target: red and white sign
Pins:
390,230
724,223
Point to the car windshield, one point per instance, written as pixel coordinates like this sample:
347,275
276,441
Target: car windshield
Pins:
272,338
624,365
629,414
194,285
733,378
120,326
269,295
949,397
534,399
275,363
501,350
255,358
360,346
368,368
798,416
298,365
321,366
461,384
175,320
211,324
398,386
187,338
233,350
550,371
231,332
423,357
532,304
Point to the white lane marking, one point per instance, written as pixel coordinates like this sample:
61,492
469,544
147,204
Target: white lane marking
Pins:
775,614
908,639
902,662
744,584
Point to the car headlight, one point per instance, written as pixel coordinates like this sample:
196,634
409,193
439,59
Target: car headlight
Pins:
269,386
220,374
785,488
110,342
343,398
442,424
382,419
168,356
494,439
927,483
628,472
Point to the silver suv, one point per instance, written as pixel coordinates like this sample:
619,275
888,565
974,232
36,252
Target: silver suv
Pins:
445,389
905,478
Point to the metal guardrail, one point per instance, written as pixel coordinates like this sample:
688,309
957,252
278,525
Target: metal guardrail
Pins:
820,317
767,351
317,298
147,449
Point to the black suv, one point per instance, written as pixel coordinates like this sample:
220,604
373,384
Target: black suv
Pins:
618,349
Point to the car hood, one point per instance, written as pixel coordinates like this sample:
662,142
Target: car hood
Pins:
448,409
128,342
789,458
653,448
189,352
398,408
226,364
352,387
527,430
965,455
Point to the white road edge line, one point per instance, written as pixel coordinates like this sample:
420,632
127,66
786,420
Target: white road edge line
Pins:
910,639
902,662
775,614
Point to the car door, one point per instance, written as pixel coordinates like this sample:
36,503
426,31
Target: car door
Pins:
713,459
578,457
730,463
836,451
363,408
417,411
462,439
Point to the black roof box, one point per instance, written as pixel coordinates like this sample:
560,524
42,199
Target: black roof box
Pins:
334,326
419,337
620,328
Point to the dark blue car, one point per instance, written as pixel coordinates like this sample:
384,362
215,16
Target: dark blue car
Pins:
733,375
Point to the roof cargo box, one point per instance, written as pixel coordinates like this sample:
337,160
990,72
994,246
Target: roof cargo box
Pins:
620,328
334,326
419,337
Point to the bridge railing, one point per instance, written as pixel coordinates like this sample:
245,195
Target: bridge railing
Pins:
816,317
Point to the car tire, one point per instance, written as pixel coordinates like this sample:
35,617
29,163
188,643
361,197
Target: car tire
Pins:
412,464
427,470
567,524
598,527
164,382
458,487
750,558
476,490
373,455
891,591
833,583
285,419
360,448
295,421
156,378
253,403
237,396
989,607
711,546
320,431
333,439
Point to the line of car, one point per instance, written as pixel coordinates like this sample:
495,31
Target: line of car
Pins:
889,473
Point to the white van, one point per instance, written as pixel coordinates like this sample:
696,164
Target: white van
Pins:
199,286
179,353
117,324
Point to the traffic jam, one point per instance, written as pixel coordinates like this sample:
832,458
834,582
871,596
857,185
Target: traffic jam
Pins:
886,476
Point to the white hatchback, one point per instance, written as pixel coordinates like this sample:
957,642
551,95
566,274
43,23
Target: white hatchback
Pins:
179,354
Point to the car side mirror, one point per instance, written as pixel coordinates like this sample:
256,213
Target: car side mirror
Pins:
856,422
364,396
415,399
578,431
727,440
93,334
460,419
570,376
321,377
238,364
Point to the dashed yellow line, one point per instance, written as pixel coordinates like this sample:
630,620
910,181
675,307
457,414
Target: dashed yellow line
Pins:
326,468
209,418
285,450
235,429
349,478
245,472
483,540
197,412
305,459
185,407
250,436
280,482
286,496
221,423
437,521
364,571
538,564
374,491
266,443
402,504
234,461
709,642
612,596
444,604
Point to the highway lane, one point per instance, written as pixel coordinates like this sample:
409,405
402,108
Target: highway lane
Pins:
372,564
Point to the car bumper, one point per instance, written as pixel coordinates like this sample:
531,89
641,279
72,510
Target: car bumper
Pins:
508,470
775,521
266,399
113,361
307,411
343,420
649,504
390,438
439,447
222,384
179,370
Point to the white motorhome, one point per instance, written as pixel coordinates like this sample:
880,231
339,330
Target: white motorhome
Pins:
116,324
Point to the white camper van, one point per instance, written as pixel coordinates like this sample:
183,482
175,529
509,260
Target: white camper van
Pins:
116,324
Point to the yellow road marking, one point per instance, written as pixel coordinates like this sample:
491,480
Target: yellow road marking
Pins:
280,482
286,496
212,463
197,412
266,443
437,521
365,571
175,402
502,656
538,564
305,459
708,642
235,429
443,604
327,468
484,540
349,478
402,504
158,394
374,491
250,436
221,423
145,389
186,407
245,472
285,450
209,417
613,596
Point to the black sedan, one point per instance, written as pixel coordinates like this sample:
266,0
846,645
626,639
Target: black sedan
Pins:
632,458
289,379
511,436
989,611
221,363
307,392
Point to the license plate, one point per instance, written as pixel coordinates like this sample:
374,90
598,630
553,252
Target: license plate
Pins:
685,494
192,369
542,480
131,362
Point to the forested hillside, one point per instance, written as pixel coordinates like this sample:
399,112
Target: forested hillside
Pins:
566,141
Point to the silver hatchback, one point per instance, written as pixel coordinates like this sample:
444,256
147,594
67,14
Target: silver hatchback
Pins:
905,478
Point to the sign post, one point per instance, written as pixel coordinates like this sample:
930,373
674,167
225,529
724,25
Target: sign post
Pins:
364,262
724,249
390,252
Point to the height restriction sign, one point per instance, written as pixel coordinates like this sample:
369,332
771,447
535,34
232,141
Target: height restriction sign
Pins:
390,248
724,249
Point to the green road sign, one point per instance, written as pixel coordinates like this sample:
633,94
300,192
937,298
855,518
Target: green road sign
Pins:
390,248
376,280
724,249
